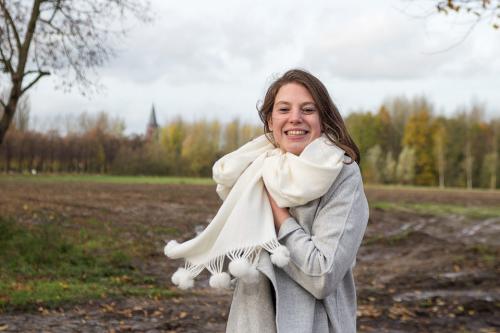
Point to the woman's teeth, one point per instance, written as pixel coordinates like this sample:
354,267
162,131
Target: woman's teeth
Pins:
296,132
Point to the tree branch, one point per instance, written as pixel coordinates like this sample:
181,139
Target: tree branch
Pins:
34,71
9,41
11,23
24,51
56,8
49,23
6,62
460,41
39,76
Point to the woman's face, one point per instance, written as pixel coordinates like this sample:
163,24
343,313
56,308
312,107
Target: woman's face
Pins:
295,118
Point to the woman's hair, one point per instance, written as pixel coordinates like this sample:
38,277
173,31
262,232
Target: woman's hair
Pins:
332,123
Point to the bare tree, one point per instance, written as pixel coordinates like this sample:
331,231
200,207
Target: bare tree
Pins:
22,117
470,14
481,9
440,139
71,38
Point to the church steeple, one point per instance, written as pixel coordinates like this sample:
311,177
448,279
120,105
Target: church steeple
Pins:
152,129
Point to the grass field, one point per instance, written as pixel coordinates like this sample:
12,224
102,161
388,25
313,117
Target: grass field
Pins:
46,264
113,179
476,212
428,188
91,247
106,179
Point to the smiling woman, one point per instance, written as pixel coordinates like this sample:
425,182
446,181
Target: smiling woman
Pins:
314,291
292,220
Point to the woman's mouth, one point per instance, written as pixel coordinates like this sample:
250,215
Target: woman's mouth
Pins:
296,132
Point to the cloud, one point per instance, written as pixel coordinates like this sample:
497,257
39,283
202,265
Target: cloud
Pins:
206,59
209,44
375,44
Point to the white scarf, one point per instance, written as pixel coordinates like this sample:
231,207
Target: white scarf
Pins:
244,224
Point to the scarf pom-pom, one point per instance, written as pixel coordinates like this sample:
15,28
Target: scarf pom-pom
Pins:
280,256
252,276
239,267
183,278
169,247
220,280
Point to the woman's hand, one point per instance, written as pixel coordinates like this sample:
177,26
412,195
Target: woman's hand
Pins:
279,214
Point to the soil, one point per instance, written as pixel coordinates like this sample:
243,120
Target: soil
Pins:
414,273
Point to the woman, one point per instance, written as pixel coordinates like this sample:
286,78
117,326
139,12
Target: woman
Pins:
315,291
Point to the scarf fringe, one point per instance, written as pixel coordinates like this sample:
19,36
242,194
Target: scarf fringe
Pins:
242,265
241,176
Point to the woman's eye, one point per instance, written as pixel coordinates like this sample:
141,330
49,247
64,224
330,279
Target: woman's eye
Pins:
283,110
309,110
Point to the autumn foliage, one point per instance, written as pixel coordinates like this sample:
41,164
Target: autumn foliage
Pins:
98,145
403,142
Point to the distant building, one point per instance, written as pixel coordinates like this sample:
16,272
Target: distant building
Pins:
152,128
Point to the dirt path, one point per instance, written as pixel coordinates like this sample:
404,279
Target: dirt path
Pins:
415,273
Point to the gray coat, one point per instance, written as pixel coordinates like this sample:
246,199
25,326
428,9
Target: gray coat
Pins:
315,292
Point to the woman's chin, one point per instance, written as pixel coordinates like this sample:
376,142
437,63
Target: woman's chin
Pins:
294,147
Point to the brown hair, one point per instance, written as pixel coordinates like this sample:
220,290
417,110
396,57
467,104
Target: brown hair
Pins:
332,123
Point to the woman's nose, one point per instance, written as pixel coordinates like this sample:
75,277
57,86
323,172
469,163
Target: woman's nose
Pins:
295,116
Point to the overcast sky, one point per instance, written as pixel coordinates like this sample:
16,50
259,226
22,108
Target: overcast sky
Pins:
215,59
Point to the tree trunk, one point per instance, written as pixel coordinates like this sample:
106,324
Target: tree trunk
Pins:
441,165
469,161
493,179
6,120
17,75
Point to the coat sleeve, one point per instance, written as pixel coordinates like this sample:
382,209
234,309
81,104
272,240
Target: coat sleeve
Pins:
320,260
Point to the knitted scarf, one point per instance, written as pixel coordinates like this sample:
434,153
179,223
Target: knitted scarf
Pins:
244,224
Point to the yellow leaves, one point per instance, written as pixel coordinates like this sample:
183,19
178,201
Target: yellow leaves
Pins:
122,328
488,330
134,311
18,286
121,279
368,310
126,313
398,311
138,308
43,311
418,135
157,313
108,307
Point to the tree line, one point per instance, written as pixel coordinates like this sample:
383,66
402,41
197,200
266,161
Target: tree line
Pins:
404,141
97,144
